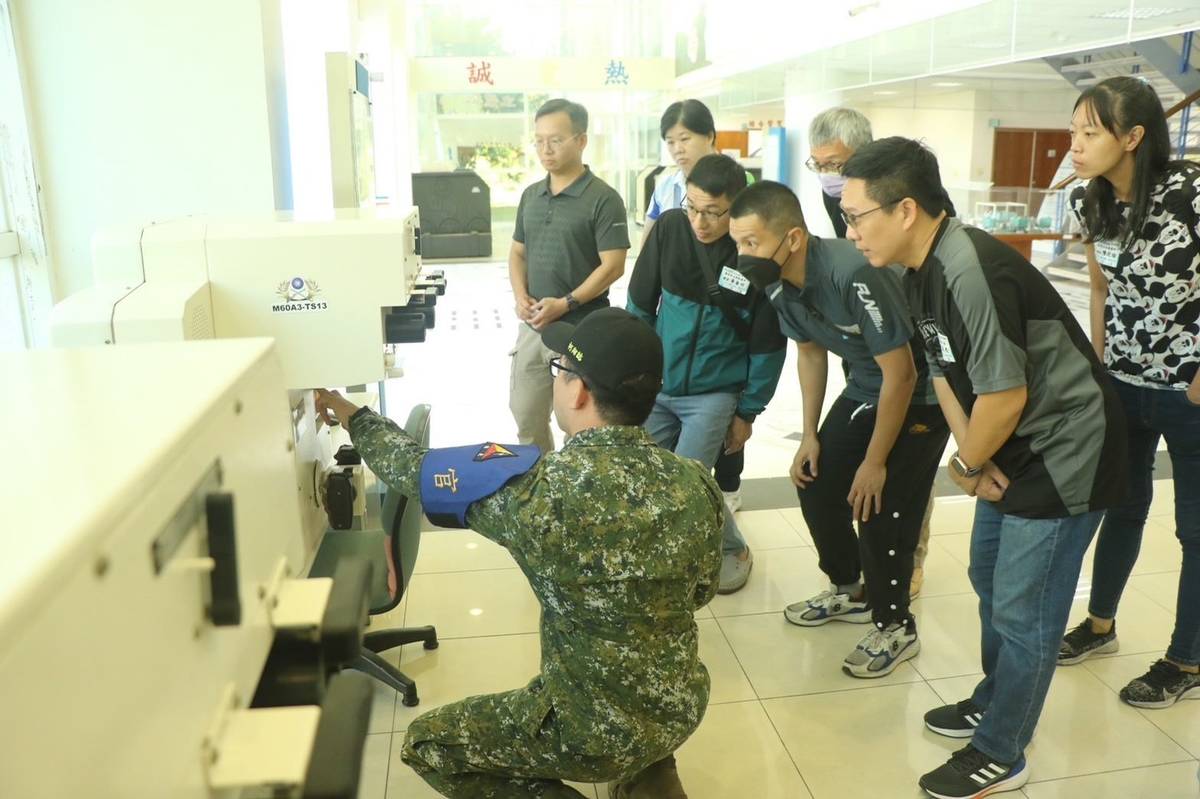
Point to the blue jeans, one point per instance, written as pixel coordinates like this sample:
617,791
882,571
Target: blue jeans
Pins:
694,427
1025,572
1149,414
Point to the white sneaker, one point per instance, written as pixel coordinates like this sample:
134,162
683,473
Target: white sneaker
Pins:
734,572
733,500
881,651
825,607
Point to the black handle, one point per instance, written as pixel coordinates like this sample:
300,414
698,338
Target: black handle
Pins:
336,763
225,605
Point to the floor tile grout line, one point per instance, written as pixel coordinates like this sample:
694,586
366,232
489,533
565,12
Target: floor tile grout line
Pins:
737,659
1142,712
786,750
1111,771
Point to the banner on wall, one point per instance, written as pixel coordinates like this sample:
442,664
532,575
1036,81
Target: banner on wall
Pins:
538,74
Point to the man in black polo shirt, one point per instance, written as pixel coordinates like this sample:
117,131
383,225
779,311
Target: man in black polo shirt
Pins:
1040,442
568,247
875,457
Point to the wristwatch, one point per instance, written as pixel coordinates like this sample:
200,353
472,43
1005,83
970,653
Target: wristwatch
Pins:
572,303
961,468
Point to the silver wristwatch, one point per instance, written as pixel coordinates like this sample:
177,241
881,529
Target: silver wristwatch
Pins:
961,468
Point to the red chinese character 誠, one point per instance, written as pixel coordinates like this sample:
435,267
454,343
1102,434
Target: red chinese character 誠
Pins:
480,74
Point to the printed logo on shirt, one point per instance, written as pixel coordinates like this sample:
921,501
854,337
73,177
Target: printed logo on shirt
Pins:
937,343
872,307
489,451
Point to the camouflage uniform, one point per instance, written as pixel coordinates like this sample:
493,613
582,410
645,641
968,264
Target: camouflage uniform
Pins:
621,543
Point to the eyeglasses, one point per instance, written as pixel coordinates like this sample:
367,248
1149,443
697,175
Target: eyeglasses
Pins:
707,216
556,366
552,145
825,167
852,220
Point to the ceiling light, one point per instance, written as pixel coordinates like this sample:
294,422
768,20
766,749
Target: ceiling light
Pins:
886,92
947,84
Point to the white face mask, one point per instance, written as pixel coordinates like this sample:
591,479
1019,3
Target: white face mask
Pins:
832,184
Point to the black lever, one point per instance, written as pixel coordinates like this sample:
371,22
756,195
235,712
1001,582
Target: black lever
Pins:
335,766
225,604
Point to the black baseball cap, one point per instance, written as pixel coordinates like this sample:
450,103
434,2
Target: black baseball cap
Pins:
609,346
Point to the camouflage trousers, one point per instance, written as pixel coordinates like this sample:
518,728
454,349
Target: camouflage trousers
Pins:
493,747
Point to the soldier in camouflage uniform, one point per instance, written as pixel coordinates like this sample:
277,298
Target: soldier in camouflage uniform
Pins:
621,542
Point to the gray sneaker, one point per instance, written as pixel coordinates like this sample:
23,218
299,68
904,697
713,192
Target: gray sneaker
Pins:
825,607
881,651
735,571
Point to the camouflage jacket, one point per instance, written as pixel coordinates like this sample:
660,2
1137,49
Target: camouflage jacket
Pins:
621,543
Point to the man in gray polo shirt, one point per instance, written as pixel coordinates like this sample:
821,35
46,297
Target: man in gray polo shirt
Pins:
568,247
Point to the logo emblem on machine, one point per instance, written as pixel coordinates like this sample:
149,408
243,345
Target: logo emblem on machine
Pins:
299,296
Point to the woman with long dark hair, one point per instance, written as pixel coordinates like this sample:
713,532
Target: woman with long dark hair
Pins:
1140,212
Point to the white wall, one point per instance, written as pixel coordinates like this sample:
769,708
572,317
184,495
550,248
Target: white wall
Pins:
799,108
140,110
957,127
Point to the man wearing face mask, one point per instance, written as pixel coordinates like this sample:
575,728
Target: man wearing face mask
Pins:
833,136
875,457
722,348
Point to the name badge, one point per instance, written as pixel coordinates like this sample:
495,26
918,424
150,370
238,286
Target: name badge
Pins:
947,353
1108,253
733,280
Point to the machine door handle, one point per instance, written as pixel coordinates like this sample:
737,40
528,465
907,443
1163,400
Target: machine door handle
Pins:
225,604
336,763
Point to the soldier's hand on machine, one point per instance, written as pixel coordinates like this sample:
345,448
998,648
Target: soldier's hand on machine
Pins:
332,407
547,310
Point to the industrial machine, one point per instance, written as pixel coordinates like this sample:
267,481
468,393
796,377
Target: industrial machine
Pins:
153,551
336,291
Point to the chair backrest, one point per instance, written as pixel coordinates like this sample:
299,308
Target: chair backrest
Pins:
401,517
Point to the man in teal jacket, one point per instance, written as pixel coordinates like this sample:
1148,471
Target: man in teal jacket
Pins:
722,347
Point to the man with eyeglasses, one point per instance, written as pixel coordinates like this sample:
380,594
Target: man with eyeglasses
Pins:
722,347
619,541
875,456
1040,436
569,245
833,136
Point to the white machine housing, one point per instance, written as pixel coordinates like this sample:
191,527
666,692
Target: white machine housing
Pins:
107,656
317,285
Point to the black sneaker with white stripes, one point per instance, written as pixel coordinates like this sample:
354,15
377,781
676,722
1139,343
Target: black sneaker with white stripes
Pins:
970,774
955,721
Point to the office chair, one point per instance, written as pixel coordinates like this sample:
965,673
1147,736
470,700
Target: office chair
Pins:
401,517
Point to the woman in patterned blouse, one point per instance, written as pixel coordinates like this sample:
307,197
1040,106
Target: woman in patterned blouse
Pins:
1140,213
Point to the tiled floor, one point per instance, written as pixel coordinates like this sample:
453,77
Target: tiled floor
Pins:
783,721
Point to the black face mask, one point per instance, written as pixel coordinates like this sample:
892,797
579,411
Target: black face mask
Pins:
761,272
